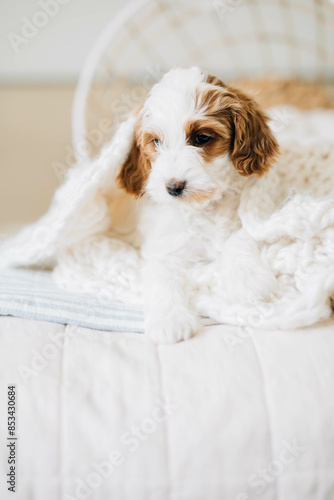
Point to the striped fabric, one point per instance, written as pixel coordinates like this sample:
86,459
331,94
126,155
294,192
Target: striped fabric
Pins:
34,295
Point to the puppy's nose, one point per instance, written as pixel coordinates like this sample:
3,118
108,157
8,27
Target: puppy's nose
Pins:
175,187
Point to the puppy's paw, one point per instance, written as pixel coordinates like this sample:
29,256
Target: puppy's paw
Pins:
170,326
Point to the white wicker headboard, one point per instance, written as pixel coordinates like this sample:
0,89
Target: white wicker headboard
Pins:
233,39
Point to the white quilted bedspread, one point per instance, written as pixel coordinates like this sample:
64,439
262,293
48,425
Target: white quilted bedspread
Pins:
233,414
229,415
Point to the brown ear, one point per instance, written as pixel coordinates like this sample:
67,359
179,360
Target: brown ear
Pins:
253,146
134,172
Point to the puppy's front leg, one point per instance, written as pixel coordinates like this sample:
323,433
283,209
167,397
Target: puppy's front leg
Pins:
168,316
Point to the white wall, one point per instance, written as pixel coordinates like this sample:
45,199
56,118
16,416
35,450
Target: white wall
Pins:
54,52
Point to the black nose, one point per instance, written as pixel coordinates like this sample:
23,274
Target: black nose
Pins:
175,187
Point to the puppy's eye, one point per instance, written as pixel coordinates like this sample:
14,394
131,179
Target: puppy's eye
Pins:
157,142
202,139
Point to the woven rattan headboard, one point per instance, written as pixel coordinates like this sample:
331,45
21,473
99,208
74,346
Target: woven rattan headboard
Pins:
234,39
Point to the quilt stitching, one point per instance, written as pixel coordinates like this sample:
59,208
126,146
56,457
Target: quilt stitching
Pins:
265,397
169,489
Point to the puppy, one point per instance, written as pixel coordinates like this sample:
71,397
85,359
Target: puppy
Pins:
197,144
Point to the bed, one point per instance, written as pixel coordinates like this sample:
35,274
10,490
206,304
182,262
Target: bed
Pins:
229,414
235,413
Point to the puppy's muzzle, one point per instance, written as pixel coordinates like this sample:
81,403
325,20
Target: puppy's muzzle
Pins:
175,187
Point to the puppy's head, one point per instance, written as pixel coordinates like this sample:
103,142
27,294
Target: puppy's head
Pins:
193,136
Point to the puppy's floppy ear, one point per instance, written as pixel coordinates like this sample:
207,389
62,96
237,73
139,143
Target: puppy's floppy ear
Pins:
253,145
134,172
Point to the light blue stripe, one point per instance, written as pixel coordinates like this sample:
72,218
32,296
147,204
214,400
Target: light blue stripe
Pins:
36,290
36,286
27,282
28,278
69,298
70,309
53,319
32,283
55,291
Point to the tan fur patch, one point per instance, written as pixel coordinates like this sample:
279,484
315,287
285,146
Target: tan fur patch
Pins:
217,129
198,195
253,148
147,144
135,171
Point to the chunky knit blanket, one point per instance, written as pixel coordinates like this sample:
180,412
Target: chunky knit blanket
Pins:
89,235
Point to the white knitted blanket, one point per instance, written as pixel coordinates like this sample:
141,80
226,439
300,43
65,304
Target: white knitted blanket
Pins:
89,235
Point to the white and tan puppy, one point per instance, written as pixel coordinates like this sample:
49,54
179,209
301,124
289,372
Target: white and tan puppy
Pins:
197,144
